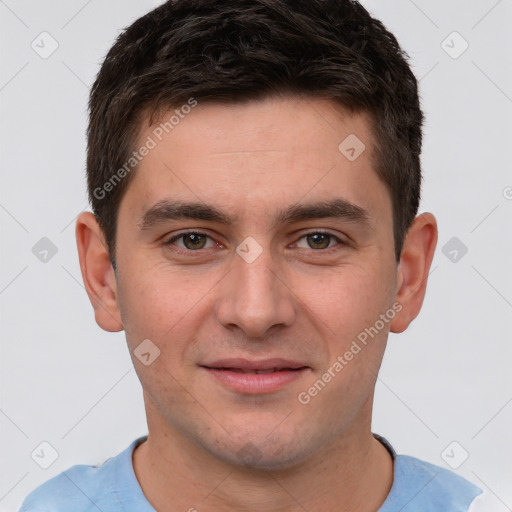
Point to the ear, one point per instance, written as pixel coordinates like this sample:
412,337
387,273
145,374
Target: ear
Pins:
413,269
97,272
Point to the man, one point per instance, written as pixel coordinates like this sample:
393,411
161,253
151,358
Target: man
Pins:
254,174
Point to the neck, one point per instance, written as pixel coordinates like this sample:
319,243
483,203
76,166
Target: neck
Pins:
354,472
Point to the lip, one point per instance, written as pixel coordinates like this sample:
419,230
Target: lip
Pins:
240,374
264,364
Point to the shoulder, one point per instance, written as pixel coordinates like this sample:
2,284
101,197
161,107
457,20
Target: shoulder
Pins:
419,485
81,488
483,503
78,489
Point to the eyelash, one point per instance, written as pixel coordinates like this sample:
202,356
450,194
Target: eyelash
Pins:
188,252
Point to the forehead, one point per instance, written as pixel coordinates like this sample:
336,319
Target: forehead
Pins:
252,156
257,125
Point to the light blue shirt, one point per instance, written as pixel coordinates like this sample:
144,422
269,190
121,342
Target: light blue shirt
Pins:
418,486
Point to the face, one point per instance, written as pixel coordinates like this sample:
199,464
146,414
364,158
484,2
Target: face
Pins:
256,298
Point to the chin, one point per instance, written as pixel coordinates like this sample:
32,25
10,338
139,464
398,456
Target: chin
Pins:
267,452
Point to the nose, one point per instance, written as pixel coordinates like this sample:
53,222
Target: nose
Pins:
255,297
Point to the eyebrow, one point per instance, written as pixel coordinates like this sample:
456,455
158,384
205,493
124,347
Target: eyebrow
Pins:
337,208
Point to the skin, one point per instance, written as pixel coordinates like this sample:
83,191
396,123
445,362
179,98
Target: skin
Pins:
295,301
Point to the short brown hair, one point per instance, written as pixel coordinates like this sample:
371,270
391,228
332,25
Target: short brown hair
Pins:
225,51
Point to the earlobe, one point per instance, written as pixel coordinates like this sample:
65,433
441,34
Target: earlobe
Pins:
97,272
412,274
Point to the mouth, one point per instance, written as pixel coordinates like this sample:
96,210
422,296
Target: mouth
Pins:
255,377
259,372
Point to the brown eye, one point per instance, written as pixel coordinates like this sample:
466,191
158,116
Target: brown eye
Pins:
319,240
190,241
194,241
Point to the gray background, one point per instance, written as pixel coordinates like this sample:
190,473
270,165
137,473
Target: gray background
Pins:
66,382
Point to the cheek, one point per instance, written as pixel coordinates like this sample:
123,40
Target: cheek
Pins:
167,307
346,300
149,305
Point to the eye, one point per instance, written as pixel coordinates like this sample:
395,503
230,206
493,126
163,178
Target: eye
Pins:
319,240
194,241
191,240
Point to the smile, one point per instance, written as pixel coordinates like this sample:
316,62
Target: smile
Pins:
255,377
